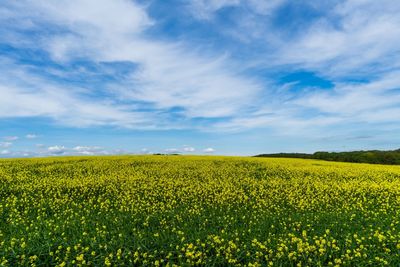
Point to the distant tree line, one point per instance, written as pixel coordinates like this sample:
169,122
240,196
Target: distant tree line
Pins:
391,157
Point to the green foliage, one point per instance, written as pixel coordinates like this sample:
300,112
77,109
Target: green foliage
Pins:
371,156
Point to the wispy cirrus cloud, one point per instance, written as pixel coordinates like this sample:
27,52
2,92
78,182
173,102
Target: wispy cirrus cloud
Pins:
29,95
10,138
222,67
353,44
168,75
356,38
5,144
205,9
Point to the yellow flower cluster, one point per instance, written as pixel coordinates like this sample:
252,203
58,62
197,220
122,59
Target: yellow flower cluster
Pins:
197,211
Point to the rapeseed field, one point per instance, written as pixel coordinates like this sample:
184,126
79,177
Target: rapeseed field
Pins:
197,211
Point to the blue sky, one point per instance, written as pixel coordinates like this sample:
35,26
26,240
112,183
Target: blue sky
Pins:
230,77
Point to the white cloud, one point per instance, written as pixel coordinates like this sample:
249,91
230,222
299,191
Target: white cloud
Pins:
31,136
188,149
56,150
168,75
89,150
17,154
145,151
209,150
77,150
60,150
11,138
353,38
33,96
4,152
265,7
315,113
356,37
84,148
358,102
204,9
5,144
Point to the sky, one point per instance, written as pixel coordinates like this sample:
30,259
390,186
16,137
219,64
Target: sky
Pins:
223,77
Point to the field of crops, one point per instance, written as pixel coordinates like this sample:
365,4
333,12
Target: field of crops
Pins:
213,211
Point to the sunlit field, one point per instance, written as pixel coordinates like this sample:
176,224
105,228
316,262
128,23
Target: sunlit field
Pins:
205,211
